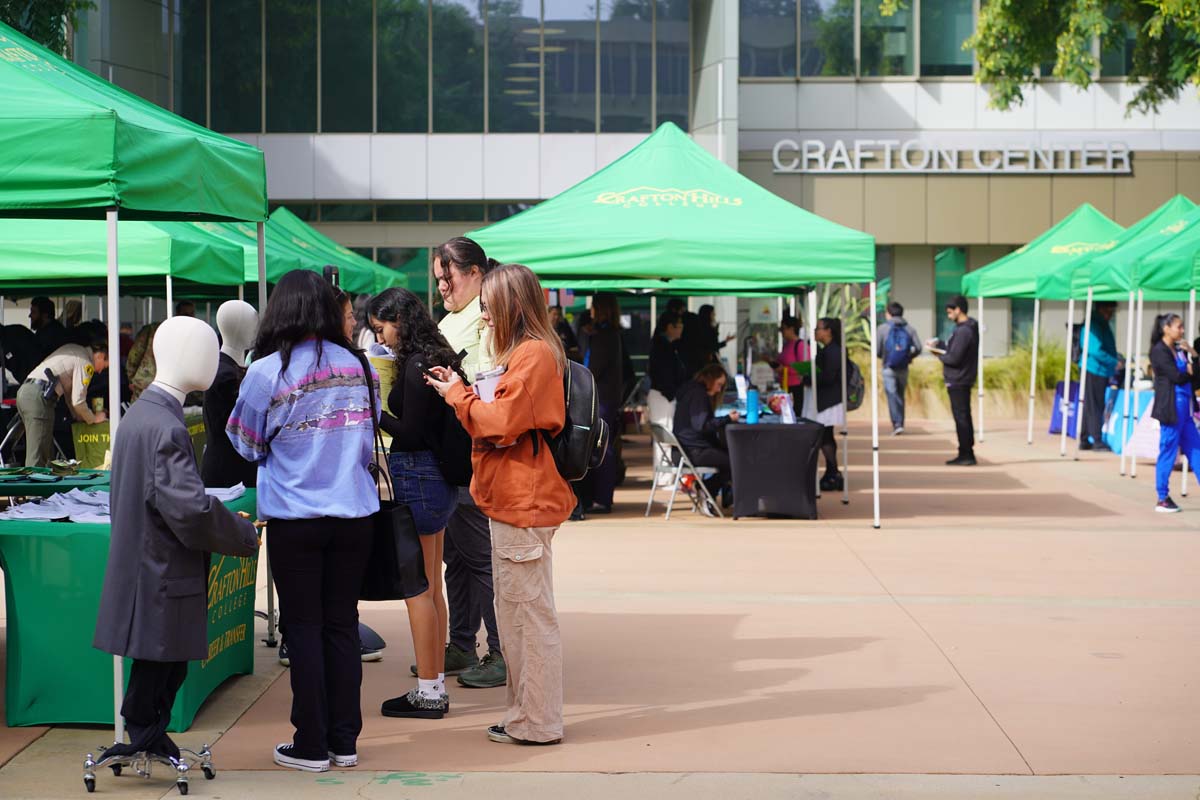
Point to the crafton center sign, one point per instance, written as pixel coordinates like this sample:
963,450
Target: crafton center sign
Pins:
893,156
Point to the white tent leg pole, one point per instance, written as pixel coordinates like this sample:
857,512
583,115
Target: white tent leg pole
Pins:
845,414
1066,395
874,410
1087,335
242,293
1137,395
1128,385
114,416
1033,365
979,426
208,312
262,268
1191,329
170,298
812,361
792,305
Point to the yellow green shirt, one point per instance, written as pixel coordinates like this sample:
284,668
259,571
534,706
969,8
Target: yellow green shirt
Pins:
465,330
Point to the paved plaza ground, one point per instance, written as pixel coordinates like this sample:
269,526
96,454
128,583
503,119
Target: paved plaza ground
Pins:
1025,628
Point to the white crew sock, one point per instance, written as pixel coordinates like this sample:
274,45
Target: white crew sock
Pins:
441,683
428,689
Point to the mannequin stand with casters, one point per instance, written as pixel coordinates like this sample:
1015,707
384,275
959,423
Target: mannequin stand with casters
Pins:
143,762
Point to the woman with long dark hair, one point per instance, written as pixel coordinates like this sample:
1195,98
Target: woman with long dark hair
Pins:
518,486
416,419
1171,358
830,410
304,416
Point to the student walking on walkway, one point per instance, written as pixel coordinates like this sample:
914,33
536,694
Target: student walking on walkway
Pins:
517,485
1171,359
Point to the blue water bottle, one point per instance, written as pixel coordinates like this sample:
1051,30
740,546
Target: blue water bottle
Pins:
752,407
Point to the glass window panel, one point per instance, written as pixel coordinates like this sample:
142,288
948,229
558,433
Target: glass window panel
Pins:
768,39
945,25
365,252
949,266
458,212
346,66
1116,55
346,212
886,42
402,54
626,64
457,66
190,60
499,211
305,211
674,61
827,38
402,212
514,69
236,70
291,66
569,35
1021,325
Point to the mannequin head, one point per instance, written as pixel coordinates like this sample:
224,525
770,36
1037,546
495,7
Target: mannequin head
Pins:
238,323
185,354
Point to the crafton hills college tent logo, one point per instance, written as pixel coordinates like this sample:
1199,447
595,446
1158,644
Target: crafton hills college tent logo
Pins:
650,197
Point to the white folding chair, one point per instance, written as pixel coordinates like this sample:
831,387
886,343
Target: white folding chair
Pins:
675,464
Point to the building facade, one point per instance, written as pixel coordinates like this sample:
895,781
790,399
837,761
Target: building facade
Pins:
395,124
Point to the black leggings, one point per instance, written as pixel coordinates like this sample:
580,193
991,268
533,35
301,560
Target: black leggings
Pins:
829,448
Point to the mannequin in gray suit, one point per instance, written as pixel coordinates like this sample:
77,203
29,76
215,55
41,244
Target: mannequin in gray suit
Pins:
154,605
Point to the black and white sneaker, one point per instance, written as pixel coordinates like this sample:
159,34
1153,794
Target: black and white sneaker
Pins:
350,760
285,756
1167,507
372,655
414,706
283,655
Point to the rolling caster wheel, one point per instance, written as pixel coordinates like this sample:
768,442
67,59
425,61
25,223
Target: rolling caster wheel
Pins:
209,773
183,788
90,783
116,768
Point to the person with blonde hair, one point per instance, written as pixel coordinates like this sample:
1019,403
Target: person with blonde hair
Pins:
517,485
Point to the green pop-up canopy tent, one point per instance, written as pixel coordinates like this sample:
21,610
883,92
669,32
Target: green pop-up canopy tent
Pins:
1084,230
41,256
1104,275
668,216
669,210
73,145
358,274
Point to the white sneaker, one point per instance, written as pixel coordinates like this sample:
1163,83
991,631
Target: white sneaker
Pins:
898,431
343,761
285,757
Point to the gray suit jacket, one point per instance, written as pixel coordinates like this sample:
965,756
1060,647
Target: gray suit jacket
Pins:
154,605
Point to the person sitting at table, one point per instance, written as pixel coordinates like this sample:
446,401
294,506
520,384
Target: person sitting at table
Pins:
65,373
698,429
830,411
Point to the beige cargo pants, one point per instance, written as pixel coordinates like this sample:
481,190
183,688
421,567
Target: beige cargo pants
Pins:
523,574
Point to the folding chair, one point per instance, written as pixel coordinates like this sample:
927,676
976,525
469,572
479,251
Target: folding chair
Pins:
13,436
677,465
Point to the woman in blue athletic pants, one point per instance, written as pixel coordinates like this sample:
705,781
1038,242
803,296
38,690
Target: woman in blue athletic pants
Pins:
1171,359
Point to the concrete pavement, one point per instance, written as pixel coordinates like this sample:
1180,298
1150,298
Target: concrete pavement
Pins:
1028,617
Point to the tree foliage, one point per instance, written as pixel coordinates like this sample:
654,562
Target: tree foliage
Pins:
1013,37
45,21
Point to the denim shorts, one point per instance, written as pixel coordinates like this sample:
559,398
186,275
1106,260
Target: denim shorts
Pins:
420,486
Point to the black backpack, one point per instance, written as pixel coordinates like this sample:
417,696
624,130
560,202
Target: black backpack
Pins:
581,444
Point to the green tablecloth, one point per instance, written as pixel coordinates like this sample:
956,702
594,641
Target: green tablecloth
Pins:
92,441
28,488
53,575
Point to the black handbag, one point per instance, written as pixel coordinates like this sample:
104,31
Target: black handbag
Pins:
396,569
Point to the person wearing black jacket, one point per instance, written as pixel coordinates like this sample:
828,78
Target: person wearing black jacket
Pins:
701,341
666,369
830,410
698,430
960,367
415,419
1171,359
604,358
